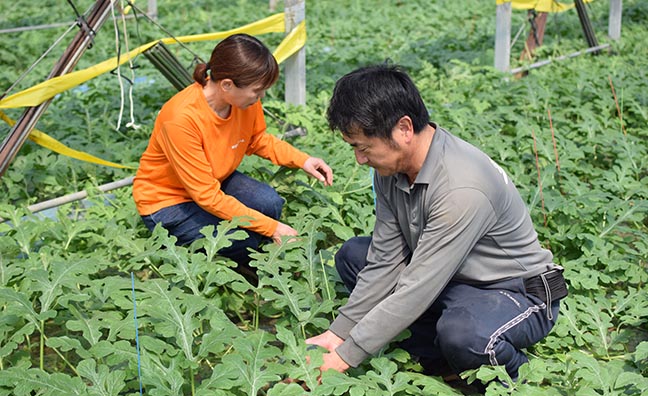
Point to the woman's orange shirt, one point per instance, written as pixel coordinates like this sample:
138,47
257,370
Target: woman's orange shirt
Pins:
192,150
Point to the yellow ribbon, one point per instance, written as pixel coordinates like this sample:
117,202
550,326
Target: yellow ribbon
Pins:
539,5
41,92
49,142
292,43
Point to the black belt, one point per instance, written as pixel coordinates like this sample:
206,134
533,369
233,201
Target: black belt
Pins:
548,287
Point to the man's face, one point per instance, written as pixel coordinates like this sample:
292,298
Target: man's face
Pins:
386,157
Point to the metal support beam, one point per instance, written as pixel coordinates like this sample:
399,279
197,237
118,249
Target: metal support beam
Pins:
295,66
27,121
503,37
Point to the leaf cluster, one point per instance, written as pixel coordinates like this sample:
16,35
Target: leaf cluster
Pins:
571,135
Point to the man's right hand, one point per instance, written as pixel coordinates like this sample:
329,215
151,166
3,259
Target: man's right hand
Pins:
283,230
327,340
332,360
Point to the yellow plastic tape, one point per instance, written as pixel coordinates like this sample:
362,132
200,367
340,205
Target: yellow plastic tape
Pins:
41,92
539,5
292,43
49,142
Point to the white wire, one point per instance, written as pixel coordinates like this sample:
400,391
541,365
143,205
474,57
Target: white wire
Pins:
132,123
119,79
22,76
522,28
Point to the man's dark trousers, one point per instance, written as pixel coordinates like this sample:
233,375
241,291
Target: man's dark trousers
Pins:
466,326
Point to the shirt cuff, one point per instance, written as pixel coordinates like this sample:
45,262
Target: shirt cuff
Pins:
342,326
351,353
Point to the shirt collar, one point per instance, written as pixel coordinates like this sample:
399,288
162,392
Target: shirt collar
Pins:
426,174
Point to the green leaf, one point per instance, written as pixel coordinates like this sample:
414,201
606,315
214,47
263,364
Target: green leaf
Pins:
282,389
387,378
104,381
335,383
298,367
25,382
173,312
250,361
66,344
641,353
19,304
221,335
432,386
62,277
629,380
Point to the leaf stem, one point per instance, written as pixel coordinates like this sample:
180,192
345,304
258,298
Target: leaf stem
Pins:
67,362
42,344
193,381
256,311
325,281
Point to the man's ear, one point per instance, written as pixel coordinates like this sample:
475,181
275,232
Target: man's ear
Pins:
405,128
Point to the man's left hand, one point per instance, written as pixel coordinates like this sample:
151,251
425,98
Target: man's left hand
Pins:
333,361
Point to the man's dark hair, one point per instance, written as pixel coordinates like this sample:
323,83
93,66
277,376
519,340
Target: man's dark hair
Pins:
372,99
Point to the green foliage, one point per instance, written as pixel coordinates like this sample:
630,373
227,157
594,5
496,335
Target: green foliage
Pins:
67,322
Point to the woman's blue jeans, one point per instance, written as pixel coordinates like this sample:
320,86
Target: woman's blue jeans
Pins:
185,220
466,326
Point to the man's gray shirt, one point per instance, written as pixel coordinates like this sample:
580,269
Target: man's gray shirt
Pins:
462,220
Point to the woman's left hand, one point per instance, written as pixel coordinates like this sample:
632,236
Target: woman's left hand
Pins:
317,168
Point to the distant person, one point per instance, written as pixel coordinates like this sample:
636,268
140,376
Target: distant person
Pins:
187,177
453,256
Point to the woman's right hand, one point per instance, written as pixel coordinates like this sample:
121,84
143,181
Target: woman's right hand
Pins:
283,230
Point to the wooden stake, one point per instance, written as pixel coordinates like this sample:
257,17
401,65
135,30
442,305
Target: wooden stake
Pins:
617,106
553,139
535,150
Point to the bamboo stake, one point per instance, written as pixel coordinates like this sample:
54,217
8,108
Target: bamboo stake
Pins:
535,150
553,139
617,106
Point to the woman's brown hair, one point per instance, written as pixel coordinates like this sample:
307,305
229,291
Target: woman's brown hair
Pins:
241,58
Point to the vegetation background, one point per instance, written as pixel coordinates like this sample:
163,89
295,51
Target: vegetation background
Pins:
572,135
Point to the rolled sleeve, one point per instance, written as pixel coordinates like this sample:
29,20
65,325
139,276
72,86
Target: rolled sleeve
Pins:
342,326
352,353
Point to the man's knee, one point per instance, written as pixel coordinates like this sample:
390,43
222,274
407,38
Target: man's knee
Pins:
351,259
461,342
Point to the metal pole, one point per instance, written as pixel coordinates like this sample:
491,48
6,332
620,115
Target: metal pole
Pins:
77,196
295,66
563,57
614,23
503,37
152,9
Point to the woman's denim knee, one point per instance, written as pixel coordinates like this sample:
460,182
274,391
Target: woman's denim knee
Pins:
274,204
254,194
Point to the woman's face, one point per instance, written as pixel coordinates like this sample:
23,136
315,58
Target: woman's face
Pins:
244,97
